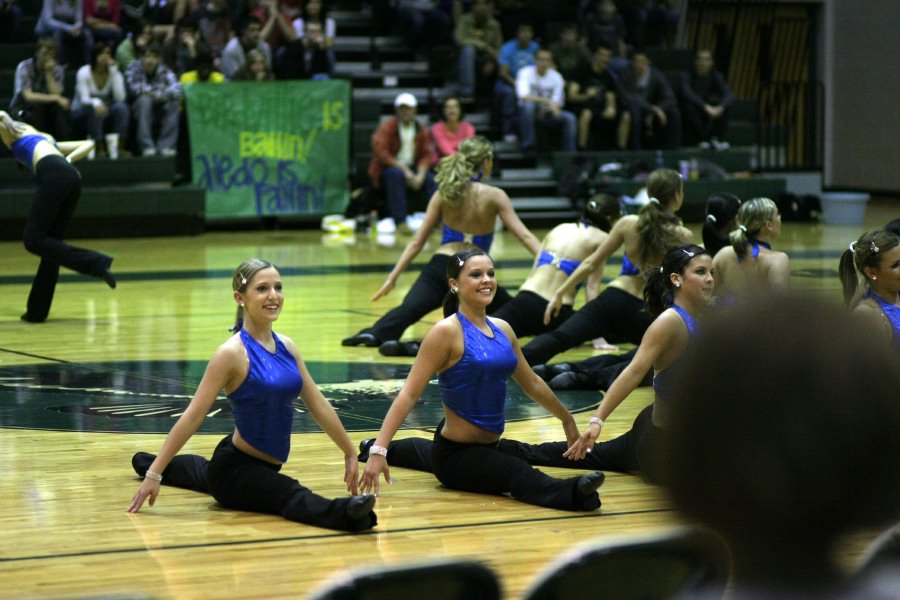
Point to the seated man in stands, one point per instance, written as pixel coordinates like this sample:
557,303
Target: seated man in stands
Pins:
705,101
479,38
595,97
541,92
655,118
156,99
570,56
39,98
235,52
514,55
401,157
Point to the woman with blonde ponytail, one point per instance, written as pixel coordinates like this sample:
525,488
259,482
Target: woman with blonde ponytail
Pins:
874,257
467,209
617,313
749,265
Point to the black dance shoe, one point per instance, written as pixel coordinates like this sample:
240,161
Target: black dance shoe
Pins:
590,483
29,319
360,506
364,449
570,380
107,276
141,461
361,339
398,348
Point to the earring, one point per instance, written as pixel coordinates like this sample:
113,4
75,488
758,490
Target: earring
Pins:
678,285
454,290
241,303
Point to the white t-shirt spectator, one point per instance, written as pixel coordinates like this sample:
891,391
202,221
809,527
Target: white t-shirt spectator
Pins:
549,85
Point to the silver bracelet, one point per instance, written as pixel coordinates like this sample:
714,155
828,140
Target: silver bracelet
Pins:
379,450
595,421
154,476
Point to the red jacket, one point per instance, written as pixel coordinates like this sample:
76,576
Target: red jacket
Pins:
386,145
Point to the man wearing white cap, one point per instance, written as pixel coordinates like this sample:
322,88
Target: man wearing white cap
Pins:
401,156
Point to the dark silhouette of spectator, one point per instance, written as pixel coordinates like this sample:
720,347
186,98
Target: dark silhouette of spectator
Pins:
595,97
423,23
479,38
10,21
63,20
705,103
514,55
235,51
156,100
276,17
511,14
180,50
318,58
570,56
655,119
38,96
203,72
401,157
133,46
650,22
102,19
783,442
602,25
215,22
541,93
100,100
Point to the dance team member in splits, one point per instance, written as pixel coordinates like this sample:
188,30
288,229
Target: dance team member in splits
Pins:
875,256
676,294
721,220
262,373
617,313
467,209
56,194
473,355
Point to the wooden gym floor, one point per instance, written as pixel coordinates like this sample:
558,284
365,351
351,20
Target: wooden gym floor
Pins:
109,371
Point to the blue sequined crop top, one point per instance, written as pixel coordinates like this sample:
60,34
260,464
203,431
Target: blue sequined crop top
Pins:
663,381
483,241
262,404
628,267
754,245
892,312
565,265
23,148
475,387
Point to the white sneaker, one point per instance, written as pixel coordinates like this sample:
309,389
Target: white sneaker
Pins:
510,138
167,151
414,221
386,225
720,145
704,145
148,152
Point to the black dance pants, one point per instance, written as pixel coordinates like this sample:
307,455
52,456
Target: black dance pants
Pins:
484,469
56,195
239,481
425,295
525,314
615,315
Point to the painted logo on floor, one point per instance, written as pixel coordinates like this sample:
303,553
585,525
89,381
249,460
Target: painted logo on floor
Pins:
148,396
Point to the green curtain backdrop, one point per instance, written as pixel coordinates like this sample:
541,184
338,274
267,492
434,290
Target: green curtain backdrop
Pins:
269,149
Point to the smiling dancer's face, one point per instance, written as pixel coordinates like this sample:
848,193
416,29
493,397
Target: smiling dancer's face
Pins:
476,282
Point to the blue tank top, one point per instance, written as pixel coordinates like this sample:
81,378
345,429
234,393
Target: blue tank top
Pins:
262,404
482,241
754,248
663,381
475,387
23,148
565,265
892,312
628,267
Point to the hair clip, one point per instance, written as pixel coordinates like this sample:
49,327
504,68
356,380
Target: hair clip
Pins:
461,261
661,270
874,247
654,201
711,218
852,246
688,252
243,280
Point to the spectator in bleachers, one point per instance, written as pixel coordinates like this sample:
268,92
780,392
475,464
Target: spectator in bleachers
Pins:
655,119
214,21
255,68
203,72
514,55
595,97
102,19
64,21
570,56
133,46
180,50
511,14
401,157
479,38
602,25
423,23
38,96
156,100
650,22
235,51
450,130
541,93
10,21
705,101
100,100
277,16
318,58
315,11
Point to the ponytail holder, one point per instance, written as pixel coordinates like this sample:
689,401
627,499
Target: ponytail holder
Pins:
852,247
742,228
711,218
654,201
661,270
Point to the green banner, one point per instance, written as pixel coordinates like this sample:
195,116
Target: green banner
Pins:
264,149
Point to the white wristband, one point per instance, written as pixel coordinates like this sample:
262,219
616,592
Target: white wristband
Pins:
154,476
379,450
595,421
